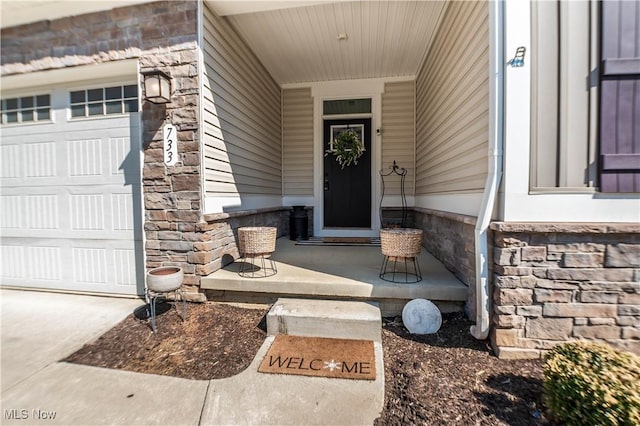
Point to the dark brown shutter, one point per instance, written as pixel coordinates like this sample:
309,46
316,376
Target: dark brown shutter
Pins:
620,97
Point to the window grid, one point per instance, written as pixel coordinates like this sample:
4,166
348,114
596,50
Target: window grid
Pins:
104,101
26,109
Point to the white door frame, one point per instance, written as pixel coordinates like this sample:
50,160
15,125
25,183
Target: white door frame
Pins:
356,89
345,89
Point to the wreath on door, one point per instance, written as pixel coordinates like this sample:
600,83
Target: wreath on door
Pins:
347,148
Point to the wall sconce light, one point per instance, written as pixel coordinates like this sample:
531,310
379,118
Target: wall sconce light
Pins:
157,87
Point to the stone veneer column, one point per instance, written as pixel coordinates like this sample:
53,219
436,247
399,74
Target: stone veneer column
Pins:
172,194
561,282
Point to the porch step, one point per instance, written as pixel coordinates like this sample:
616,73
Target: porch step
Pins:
325,318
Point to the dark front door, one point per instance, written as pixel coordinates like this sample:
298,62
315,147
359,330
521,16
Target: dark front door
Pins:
347,192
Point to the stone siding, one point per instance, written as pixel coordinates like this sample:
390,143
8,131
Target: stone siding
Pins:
450,238
559,282
172,194
217,246
112,35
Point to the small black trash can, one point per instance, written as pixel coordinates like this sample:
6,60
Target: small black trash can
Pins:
299,223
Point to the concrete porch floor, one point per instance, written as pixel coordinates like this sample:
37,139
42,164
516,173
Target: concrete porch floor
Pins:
339,272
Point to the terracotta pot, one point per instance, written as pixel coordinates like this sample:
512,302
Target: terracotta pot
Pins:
165,278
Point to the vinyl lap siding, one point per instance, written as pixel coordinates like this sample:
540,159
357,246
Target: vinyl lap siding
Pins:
297,138
242,134
398,134
452,104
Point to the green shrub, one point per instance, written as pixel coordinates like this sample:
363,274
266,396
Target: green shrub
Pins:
592,384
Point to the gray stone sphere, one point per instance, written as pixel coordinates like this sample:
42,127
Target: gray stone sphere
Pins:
421,316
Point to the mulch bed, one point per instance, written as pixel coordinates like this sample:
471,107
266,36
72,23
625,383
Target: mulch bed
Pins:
215,341
451,378
443,378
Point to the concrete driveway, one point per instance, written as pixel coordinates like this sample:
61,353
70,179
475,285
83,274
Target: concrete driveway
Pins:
41,328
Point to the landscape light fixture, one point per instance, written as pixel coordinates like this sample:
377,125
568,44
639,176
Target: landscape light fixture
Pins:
157,87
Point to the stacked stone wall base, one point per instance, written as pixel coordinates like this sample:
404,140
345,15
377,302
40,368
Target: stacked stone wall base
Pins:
555,283
450,238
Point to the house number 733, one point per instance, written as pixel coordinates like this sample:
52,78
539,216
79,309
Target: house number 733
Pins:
170,145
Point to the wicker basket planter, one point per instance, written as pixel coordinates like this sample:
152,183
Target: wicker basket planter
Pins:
401,248
257,242
401,242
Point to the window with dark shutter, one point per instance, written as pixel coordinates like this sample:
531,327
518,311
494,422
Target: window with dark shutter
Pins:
620,97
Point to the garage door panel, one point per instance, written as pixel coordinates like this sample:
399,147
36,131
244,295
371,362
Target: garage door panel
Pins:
12,259
40,159
38,263
89,265
83,265
119,153
77,265
71,203
117,267
87,212
42,212
44,263
10,162
85,158
35,159
83,212
125,267
122,213
81,162
10,212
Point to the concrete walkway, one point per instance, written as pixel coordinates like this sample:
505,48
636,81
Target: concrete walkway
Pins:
38,329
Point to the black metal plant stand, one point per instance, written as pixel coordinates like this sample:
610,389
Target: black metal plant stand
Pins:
410,276
402,172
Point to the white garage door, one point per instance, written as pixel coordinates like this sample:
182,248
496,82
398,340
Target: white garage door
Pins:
70,199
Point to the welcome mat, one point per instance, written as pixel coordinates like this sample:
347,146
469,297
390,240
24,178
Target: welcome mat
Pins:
340,241
321,357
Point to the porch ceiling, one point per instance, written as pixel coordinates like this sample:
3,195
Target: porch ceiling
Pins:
299,41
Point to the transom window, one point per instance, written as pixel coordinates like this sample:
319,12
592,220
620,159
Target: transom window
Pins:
347,106
26,109
104,101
